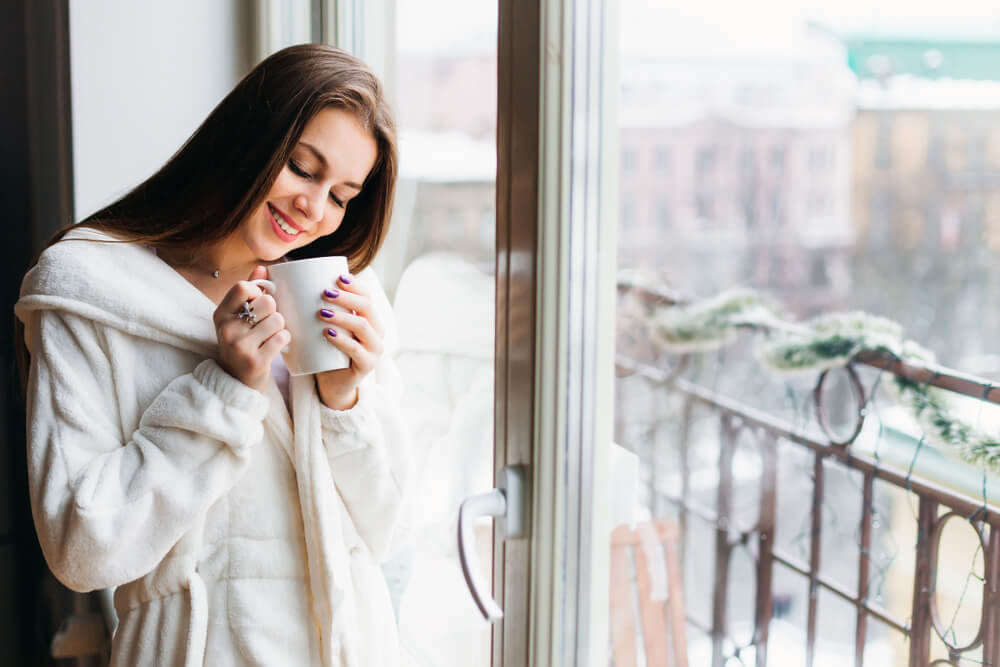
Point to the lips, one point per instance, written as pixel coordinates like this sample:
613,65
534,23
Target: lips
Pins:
283,227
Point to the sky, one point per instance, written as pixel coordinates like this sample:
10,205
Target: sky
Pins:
458,26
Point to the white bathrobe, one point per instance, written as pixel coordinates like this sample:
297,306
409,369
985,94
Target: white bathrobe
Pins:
232,537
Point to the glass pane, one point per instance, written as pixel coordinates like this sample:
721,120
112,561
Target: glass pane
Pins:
884,645
781,161
437,264
836,627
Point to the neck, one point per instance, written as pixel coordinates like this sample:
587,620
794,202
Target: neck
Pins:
216,261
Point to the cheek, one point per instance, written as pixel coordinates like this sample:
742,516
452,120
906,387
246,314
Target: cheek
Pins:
331,222
283,185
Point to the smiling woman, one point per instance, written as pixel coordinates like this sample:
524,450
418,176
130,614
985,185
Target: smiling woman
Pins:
309,197
239,513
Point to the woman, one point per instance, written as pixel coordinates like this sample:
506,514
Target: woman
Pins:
239,513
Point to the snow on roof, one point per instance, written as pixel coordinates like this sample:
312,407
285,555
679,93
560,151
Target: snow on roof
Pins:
910,92
813,90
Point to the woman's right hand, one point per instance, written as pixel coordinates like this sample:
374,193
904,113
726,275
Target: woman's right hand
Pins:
246,351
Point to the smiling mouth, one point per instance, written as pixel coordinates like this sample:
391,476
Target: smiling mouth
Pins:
282,222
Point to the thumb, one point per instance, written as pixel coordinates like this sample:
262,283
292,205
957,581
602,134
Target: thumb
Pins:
258,273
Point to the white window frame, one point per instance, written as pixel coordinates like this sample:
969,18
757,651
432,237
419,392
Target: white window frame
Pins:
365,28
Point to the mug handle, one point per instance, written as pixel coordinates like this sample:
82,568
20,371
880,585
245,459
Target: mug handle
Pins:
265,285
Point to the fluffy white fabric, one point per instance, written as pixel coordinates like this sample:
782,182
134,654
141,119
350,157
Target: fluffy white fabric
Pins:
232,537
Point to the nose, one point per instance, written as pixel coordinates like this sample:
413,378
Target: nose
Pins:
310,203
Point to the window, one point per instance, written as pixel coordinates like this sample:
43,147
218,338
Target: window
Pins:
629,160
705,163
832,163
818,204
662,160
779,158
438,266
820,161
663,216
705,208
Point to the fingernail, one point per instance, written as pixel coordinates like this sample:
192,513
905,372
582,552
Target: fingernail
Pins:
332,293
325,312
332,332
345,280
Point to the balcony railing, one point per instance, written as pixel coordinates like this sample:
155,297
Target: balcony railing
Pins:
732,505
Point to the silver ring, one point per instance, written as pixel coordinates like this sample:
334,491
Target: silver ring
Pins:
246,313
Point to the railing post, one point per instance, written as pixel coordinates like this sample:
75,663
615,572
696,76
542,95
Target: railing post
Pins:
723,509
765,541
685,477
991,608
923,586
815,545
861,628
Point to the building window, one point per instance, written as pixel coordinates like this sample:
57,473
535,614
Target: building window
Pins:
661,160
705,161
779,158
976,145
705,207
748,166
627,220
883,141
818,204
663,215
628,160
820,161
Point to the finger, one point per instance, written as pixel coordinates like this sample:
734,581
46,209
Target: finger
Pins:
361,359
360,304
265,328
237,295
350,284
275,344
356,325
259,272
263,306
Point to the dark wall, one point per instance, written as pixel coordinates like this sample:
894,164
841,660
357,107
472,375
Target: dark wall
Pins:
36,198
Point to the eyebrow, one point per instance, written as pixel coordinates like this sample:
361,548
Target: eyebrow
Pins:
322,159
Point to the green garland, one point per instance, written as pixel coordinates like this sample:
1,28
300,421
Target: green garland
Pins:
823,342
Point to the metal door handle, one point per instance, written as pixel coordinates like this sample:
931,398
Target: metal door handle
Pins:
506,502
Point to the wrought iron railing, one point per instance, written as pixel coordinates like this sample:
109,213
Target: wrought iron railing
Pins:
937,505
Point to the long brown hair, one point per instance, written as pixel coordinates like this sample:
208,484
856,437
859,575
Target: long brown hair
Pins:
225,169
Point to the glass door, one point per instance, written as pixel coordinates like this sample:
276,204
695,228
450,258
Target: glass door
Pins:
500,267
438,266
555,327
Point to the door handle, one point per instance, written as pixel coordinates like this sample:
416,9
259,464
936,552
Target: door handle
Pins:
507,503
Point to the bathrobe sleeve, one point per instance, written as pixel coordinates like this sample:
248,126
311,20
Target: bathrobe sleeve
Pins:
369,447
109,505
370,459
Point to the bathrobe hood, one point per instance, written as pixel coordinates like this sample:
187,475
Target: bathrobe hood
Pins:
121,289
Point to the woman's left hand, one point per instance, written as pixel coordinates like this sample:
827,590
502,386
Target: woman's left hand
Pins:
362,341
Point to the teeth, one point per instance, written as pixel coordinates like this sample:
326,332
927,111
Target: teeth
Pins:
285,227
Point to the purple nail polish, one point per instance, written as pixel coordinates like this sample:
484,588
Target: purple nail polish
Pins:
332,293
345,280
332,332
325,312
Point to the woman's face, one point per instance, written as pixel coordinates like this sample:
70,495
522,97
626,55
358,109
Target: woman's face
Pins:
308,199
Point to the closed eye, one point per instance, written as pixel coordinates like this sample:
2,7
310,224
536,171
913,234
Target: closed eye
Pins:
302,173
299,171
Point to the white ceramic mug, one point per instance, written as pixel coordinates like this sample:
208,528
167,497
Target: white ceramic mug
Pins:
297,287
